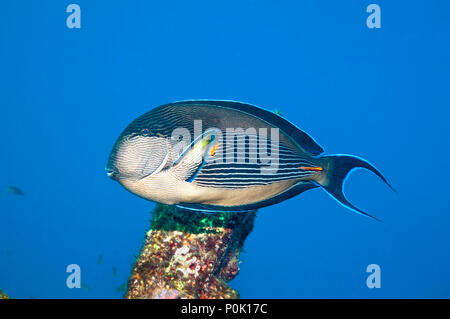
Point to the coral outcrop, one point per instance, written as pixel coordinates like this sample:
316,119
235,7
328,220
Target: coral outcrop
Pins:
3,295
189,255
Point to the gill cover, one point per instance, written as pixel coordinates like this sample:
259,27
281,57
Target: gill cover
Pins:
139,156
158,157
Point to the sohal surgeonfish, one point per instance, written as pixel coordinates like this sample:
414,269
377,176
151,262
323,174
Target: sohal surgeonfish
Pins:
213,156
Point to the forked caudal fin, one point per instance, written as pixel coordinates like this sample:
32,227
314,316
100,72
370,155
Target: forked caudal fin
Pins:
339,166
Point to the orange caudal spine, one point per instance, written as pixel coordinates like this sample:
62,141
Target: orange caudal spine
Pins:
315,168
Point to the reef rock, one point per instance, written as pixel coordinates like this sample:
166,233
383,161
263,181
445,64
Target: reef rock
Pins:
189,255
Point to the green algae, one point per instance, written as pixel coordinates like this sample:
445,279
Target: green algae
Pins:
171,218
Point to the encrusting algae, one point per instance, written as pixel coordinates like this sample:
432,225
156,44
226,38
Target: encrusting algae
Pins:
3,295
189,255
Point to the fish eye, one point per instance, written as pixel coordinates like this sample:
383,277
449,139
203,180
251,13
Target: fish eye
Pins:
145,132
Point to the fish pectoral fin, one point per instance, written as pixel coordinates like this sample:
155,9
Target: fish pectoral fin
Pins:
195,156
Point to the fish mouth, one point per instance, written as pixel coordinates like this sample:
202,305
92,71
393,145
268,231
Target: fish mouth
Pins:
112,173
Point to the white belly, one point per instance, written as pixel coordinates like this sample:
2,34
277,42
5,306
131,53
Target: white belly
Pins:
165,188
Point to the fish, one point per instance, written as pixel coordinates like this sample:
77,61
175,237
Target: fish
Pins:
99,259
15,190
225,156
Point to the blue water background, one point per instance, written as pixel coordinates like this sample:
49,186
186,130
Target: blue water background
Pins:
382,94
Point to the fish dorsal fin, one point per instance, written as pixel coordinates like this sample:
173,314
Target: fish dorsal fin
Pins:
305,141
